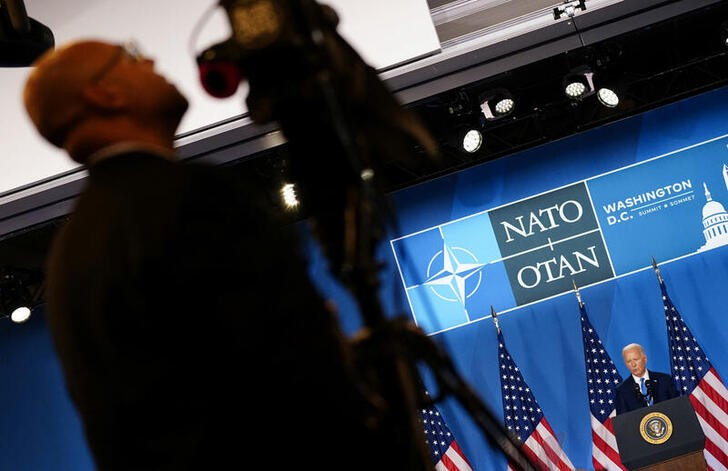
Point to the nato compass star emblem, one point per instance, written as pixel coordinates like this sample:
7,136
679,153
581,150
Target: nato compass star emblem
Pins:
458,265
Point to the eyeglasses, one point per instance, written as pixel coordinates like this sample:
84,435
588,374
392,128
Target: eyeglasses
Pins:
129,49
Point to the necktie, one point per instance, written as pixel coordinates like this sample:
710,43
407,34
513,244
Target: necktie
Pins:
643,389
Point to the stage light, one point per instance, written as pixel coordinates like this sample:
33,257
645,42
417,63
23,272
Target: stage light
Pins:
575,89
579,83
724,33
460,106
608,97
568,8
497,104
288,194
367,174
20,314
504,106
472,140
16,296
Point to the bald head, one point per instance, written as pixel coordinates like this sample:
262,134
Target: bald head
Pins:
53,94
88,94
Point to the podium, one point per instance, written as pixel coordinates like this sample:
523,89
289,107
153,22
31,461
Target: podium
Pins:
663,437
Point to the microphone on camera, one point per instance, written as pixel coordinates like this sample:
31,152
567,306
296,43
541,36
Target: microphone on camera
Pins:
270,40
219,69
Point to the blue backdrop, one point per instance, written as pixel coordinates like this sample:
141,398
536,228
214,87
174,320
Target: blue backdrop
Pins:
504,234
39,428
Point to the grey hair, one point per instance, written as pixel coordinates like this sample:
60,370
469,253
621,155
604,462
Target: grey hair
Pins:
634,345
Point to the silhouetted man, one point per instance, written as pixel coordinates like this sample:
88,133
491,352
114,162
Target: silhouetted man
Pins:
189,334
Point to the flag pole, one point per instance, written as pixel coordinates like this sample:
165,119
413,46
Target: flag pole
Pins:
657,270
495,319
578,295
517,459
523,461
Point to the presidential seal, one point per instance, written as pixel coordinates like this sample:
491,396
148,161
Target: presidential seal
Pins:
656,428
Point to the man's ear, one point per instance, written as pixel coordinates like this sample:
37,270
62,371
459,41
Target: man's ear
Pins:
104,96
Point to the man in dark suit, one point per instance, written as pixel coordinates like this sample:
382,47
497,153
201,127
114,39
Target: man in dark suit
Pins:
189,334
644,387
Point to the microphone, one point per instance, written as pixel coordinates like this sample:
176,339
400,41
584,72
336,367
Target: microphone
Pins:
637,391
219,69
271,41
644,398
650,389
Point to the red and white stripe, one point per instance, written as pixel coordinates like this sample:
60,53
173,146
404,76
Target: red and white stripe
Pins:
710,401
453,460
544,450
605,454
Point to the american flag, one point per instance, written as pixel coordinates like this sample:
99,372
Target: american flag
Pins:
602,380
694,375
446,453
525,419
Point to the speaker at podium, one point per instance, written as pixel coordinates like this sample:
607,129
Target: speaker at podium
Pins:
664,437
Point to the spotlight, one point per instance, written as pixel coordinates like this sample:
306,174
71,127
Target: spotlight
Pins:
608,97
465,138
16,299
20,314
471,140
569,8
724,33
579,83
460,105
504,106
367,174
575,89
497,104
288,194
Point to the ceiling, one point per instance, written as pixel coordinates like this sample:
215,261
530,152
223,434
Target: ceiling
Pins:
648,67
653,56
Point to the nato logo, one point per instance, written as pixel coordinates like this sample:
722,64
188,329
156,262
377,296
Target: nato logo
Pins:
449,270
550,241
509,256
452,273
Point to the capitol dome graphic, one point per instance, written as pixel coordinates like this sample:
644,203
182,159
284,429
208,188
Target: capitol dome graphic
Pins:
715,219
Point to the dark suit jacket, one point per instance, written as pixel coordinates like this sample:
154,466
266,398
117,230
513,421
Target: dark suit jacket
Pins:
663,388
189,333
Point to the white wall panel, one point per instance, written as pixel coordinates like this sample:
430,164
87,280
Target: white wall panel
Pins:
386,33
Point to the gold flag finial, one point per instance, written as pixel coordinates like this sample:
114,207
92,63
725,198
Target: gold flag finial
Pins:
495,318
578,295
657,270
